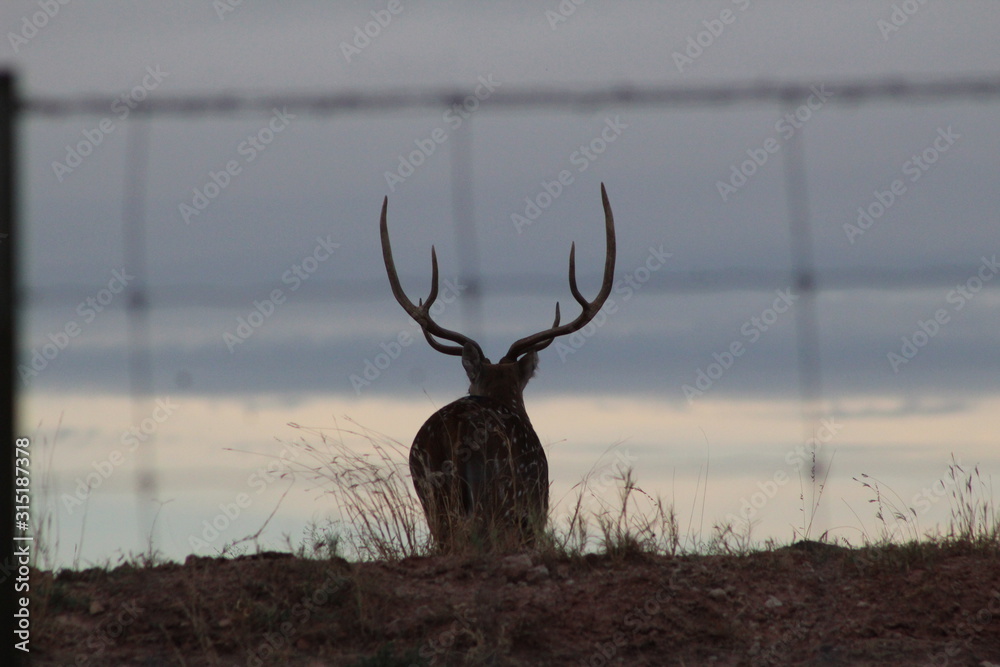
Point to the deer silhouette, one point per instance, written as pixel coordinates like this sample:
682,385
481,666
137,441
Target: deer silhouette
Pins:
478,467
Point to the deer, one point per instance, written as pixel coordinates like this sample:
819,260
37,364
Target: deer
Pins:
477,464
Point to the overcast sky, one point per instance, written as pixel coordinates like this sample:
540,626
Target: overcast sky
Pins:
271,217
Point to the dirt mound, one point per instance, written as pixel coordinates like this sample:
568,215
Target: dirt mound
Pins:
805,604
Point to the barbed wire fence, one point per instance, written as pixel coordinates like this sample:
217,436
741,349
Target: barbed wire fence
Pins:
785,95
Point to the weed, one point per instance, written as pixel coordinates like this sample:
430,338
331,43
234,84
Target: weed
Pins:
321,541
380,516
730,540
974,520
817,486
974,525
891,513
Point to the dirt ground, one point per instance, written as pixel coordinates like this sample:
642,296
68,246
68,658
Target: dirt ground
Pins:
807,604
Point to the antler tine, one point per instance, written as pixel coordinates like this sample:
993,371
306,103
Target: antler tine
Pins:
580,299
432,297
421,313
544,345
543,339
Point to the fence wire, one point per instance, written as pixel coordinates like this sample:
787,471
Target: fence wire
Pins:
783,94
847,92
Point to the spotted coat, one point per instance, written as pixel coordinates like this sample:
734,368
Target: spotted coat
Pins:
478,466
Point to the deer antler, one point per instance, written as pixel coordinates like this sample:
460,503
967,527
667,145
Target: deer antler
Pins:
421,312
542,339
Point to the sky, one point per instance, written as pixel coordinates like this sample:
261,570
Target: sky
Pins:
268,302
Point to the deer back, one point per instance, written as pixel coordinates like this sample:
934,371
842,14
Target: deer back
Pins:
480,458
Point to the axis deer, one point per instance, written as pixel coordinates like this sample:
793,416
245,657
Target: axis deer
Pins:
477,464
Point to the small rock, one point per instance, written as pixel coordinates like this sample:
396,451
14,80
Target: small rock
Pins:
225,623
717,593
516,567
536,573
773,602
522,561
96,608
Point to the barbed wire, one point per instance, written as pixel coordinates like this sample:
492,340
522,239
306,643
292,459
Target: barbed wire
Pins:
845,92
809,279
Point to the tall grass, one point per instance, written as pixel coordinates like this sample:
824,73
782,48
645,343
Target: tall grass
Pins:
973,521
635,522
368,479
380,518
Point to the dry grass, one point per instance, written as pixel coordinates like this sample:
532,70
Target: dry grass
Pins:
381,518
974,519
974,523
637,523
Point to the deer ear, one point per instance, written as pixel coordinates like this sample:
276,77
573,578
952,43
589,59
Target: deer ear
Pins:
526,367
472,360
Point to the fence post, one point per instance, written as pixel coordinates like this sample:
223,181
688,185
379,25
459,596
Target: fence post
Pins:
8,348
